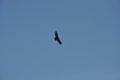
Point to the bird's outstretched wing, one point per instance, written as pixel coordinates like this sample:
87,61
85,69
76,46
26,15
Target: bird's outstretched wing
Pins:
57,38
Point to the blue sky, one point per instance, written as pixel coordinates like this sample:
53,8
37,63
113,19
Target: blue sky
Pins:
89,30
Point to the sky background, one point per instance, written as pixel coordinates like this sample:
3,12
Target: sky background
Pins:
88,29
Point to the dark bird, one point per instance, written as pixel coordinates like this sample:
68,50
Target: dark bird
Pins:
56,38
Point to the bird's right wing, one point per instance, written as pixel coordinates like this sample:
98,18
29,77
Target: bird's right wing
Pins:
59,41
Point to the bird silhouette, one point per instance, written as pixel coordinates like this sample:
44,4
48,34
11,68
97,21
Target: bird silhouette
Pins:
56,38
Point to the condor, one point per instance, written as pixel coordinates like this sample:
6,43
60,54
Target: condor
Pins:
56,38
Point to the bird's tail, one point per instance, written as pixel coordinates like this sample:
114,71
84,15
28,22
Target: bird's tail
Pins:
55,38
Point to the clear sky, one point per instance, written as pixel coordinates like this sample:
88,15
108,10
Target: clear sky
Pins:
89,30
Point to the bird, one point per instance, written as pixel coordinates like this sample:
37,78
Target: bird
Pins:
56,38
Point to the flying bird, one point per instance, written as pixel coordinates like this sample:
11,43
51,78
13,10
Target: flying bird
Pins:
56,38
